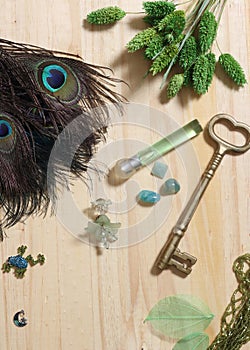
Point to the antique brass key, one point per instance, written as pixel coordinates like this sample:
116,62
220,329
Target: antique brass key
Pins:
170,255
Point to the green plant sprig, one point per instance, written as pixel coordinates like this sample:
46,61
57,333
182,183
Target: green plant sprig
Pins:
106,15
178,37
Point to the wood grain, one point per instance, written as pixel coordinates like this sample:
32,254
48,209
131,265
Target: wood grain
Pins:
84,300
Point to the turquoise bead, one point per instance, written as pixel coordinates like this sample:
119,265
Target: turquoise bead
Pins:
159,169
171,186
149,196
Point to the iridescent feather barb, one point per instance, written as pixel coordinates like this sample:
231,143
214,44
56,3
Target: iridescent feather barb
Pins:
41,93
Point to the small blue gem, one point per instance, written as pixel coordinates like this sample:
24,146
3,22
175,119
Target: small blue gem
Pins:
149,196
18,261
159,169
171,186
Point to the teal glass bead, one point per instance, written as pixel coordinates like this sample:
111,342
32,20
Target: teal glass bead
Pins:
146,196
159,169
171,186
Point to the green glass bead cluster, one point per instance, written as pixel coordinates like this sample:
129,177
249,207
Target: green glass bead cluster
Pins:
235,321
179,38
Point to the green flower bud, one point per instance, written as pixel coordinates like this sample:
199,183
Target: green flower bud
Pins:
175,84
207,31
200,74
164,58
158,9
173,23
233,69
154,47
188,53
106,15
141,39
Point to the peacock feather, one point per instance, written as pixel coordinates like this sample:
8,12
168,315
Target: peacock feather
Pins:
42,91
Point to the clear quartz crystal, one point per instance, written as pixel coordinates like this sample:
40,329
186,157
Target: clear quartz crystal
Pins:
101,205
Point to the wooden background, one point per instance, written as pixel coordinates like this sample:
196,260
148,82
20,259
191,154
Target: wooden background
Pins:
83,300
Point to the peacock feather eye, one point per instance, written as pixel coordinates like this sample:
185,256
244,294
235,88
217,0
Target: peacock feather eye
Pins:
54,77
7,133
5,129
58,80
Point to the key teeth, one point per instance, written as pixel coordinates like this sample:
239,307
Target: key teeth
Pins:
185,256
182,261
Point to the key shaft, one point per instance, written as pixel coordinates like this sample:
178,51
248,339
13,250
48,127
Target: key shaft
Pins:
169,254
192,204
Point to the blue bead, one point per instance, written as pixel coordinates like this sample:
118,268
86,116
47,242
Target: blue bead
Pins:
149,196
159,169
18,261
171,186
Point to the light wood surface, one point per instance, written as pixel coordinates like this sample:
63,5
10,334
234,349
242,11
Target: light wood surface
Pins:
84,300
